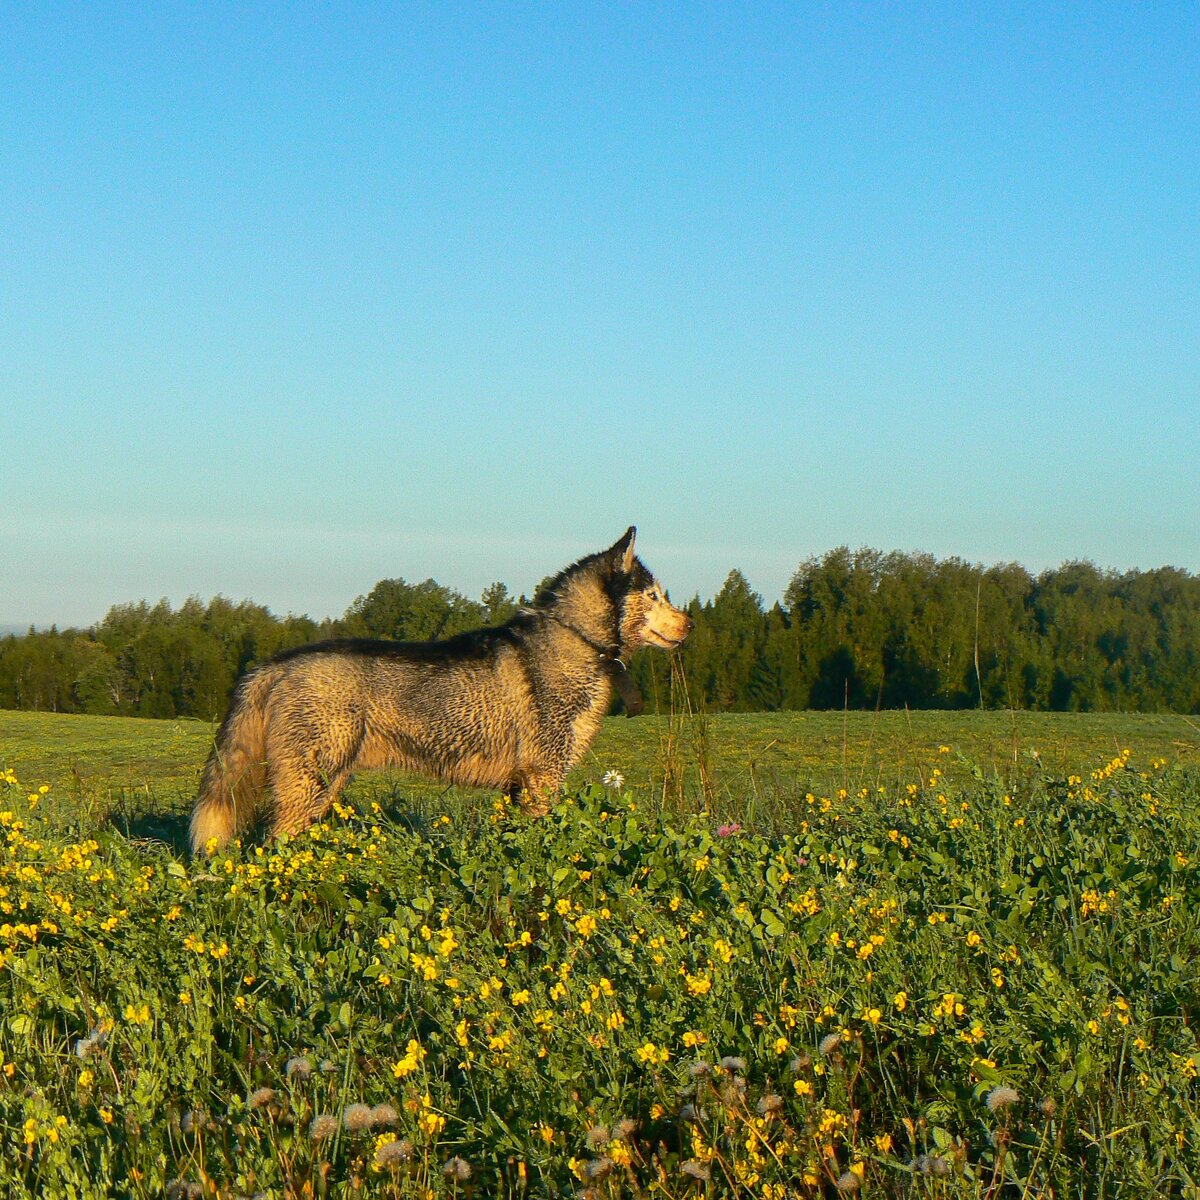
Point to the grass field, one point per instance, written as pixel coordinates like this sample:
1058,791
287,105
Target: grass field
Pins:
922,954
136,769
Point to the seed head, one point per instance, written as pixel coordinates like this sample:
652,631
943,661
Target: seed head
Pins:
624,1129
999,1098
322,1126
598,1168
457,1169
733,1064
393,1152
696,1169
384,1115
356,1117
598,1135
735,1085
260,1097
299,1067
193,1120
931,1164
770,1104
848,1183
829,1043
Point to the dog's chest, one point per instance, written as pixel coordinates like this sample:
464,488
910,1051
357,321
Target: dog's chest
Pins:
585,726
573,713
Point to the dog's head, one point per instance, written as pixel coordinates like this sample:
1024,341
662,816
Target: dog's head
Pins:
646,616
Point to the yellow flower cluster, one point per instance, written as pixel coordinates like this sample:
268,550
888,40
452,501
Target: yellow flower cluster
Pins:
1113,766
413,1057
1091,901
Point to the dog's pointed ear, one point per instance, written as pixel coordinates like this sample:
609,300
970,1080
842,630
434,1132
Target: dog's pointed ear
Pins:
622,551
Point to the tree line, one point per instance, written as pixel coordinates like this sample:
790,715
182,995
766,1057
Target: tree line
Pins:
857,629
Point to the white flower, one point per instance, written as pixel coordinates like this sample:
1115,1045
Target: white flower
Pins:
613,779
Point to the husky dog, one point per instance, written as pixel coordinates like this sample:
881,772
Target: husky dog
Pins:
512,707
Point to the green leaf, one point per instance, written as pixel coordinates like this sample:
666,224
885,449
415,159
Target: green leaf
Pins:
772,923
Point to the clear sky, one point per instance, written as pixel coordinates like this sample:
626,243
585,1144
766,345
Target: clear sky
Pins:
295,297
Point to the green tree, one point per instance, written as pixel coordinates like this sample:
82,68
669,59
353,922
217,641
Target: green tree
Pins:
412,612
736,622
497,604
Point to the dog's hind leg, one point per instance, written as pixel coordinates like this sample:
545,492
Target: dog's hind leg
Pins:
303,795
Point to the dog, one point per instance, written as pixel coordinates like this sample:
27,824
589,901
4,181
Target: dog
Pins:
512,707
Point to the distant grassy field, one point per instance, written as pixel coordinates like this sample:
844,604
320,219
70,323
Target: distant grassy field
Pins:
764,761
790,956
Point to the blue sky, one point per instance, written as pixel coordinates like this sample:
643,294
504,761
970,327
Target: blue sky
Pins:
298,297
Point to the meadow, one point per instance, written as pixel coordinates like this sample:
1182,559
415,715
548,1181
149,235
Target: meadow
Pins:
772,955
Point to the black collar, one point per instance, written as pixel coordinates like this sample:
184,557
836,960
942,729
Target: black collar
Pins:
626,688
610,652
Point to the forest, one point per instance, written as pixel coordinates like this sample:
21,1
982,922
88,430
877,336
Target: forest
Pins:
858,629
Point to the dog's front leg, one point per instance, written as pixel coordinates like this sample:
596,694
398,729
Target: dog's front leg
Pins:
536,791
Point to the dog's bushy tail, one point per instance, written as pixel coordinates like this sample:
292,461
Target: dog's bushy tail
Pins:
236,771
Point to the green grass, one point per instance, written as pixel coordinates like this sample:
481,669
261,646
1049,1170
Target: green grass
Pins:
630,997
764,761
